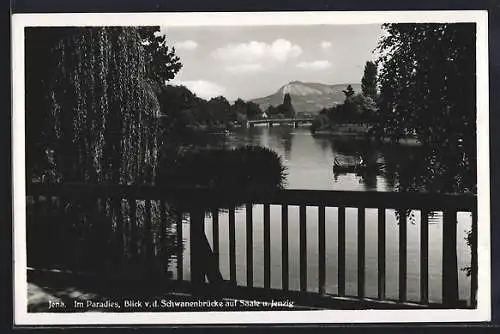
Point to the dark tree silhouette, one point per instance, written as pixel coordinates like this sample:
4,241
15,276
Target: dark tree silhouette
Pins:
348,92
287,107
91,111
369,80
162,64
428,87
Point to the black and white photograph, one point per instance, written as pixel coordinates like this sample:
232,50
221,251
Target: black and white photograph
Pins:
251,167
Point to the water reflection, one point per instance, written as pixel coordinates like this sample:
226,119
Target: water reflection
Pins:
309,161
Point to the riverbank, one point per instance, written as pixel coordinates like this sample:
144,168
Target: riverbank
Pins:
407,141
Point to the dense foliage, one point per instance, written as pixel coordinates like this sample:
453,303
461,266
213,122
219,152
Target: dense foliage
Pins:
92,113
369,80
284,110
427,82
357,109
162,64
240,168
183,111
428,88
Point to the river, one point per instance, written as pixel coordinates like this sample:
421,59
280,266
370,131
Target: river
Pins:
309,160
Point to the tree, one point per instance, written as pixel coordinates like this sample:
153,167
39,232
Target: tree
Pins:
176,103
246,110
369,80
428,86
428,80
219,109
362,109
162,64
348,92
272,110
287,107
347,110
93,114
239,108
253,110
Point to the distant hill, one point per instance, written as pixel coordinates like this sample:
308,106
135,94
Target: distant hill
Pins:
307,96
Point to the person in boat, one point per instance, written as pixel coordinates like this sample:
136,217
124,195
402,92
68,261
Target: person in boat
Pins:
362,162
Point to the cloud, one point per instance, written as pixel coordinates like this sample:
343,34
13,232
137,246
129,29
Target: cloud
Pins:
254,51
314,65
202,88
245,68
186,45
325,44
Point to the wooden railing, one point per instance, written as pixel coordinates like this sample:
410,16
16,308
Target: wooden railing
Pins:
204,259
271,121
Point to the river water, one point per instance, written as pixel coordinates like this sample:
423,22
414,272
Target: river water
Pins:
309,161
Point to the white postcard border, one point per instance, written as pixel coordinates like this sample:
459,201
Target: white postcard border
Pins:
22,317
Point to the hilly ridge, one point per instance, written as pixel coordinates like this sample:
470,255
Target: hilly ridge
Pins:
307,96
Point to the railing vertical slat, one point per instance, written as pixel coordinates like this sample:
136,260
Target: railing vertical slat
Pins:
284,247
381,253
232,246
403,233
341,251
148,236
117,207
473,278
267,246
450,266
249,235
321,249
49,207
424,256
133,226
361,252
215,234
196,234
303,248
163,233
180,247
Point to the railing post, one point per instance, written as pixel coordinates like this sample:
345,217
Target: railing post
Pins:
361,252
249,235
196,232
215,234
117,207
321,249
403,235
203,262
232,246
303,248
163,235
341,251
381,253
474,263
284,246
450,266
179,246
267,246
148,236
133,227
424,256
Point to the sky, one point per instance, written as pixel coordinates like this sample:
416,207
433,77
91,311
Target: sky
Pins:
255,61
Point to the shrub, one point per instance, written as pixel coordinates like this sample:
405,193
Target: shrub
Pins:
249,166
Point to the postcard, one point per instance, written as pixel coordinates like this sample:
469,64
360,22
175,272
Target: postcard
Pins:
251,168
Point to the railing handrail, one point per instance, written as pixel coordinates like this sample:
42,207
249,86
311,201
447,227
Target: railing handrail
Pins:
280,120
209,197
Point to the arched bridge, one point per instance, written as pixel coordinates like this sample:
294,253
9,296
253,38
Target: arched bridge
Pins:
281,121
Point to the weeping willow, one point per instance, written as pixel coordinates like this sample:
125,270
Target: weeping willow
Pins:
100,124
91,117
